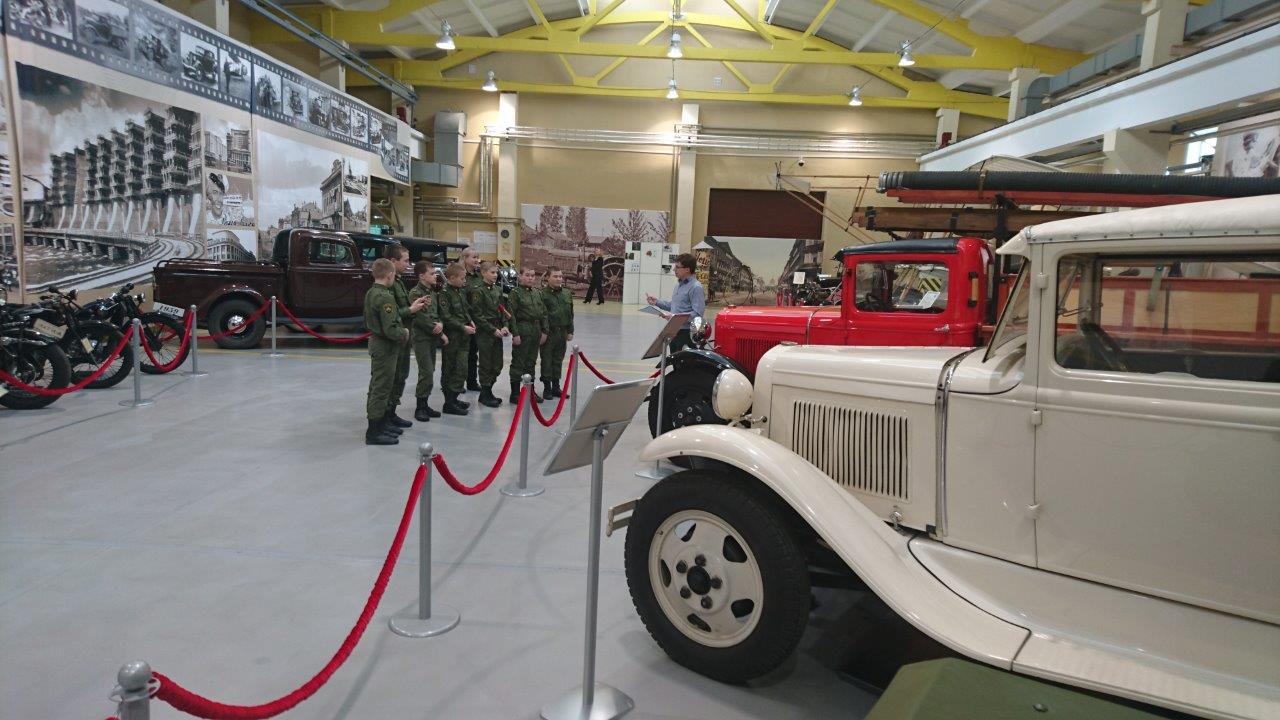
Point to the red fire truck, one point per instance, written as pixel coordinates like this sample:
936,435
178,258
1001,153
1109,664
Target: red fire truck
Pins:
928,292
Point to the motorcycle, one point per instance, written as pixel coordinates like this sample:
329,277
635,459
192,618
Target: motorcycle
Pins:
87,343
162,332
29,356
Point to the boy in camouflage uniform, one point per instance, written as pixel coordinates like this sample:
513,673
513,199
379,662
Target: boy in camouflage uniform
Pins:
399,257
471,263
382,319
455,314
491,327
559,331
428,334
528,329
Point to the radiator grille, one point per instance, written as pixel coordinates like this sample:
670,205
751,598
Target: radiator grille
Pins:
749,351
860,449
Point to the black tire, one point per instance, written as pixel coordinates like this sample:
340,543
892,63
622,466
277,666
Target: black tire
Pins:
770,547
45,366
104,338
163,335
229,313
686,400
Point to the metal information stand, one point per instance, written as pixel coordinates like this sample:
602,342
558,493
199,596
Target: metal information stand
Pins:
596,431
661,346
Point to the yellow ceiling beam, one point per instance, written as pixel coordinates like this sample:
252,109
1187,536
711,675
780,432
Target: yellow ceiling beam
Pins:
538,15
746,81
820,17
992,107
756,25
618,61
597,17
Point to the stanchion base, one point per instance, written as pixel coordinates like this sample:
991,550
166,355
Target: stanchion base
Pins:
141,403
200,373
514,490
609,702
272,354
443,619
656,472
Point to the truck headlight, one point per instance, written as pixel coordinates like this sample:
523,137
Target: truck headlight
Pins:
731,395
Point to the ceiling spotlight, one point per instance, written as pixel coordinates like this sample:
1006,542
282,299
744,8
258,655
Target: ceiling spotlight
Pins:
673,50
446,39
855,97
672,92
490,83
904,56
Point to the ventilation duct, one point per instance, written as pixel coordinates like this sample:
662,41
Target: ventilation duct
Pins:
446,140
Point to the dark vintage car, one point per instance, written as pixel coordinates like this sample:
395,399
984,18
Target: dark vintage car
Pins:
321,275
200,65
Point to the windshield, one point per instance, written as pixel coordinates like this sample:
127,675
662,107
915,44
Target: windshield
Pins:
1013,321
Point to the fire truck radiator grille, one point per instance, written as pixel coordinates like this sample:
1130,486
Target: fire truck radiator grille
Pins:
862,450
750,350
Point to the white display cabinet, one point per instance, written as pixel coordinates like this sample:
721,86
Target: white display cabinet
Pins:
648,271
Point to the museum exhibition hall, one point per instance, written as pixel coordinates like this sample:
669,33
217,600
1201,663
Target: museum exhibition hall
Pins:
661,359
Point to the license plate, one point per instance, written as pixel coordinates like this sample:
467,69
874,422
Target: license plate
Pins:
47,328
169,310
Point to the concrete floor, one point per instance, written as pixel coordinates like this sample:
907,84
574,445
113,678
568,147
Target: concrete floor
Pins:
229,534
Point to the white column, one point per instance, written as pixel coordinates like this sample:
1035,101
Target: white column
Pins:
214,13
1019,83
508,209
682,219
333,72
948,122
1166,21
1135,151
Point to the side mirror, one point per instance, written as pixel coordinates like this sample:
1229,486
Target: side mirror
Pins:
697,328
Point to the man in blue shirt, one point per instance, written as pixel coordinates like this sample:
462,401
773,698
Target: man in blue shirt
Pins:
688,297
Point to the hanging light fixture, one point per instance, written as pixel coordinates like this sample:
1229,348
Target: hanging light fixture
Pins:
490,83
673,50
904,56
672,92
677,12
446,39
855,96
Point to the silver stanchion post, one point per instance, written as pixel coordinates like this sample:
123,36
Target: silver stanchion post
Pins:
136,346
573,386
428,621
195,360
132,694
274,353
521,488
657,473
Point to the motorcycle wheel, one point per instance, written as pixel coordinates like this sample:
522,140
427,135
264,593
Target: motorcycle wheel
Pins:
163,335
43,366
102,338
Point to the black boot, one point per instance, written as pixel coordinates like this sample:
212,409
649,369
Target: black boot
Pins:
389,429
488,399
515,393
375,436
473,385
394,420
555,385
422,413
549,389
453,407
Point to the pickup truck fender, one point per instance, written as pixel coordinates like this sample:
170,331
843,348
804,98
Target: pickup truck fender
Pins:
227,291
704,359
871,548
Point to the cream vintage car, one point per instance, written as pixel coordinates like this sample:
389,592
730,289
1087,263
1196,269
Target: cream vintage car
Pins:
1093,498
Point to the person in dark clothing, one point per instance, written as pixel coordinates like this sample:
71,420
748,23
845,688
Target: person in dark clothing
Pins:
597,279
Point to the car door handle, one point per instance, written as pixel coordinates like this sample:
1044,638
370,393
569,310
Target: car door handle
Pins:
943,329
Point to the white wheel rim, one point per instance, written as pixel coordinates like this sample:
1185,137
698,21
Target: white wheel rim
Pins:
727,578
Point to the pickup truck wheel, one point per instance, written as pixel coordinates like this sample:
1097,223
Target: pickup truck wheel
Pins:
686,401
232,313
716,576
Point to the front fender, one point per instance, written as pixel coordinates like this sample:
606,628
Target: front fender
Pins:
873,550
225,291
707,359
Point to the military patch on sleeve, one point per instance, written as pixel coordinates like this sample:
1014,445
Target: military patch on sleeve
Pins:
388,308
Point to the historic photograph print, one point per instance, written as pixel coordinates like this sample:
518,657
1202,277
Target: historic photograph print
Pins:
227,145
235,75
300,185
103,25
52,16
199,61
558,236
228,200
155,44
267,90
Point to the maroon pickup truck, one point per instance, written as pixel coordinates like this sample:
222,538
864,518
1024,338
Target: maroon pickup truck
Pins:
321,275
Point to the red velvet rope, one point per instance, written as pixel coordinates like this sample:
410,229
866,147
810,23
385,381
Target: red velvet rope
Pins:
186,338
568,373
186,701
316,335
452,481
266,304
48,392
593,369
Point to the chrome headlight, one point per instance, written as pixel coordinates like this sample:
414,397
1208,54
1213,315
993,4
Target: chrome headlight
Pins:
140,298
697,328
731,395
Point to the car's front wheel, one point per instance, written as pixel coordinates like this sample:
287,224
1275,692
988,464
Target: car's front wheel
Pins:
716,575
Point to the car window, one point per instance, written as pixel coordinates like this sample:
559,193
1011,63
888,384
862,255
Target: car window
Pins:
892,286
331,252
370,250
435,255
1013,320
1204,316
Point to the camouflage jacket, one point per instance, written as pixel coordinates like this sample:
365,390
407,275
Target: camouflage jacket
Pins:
559,308
528,313
485,301
381,316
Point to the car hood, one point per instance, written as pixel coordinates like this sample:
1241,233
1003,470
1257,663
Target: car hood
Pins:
908,374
